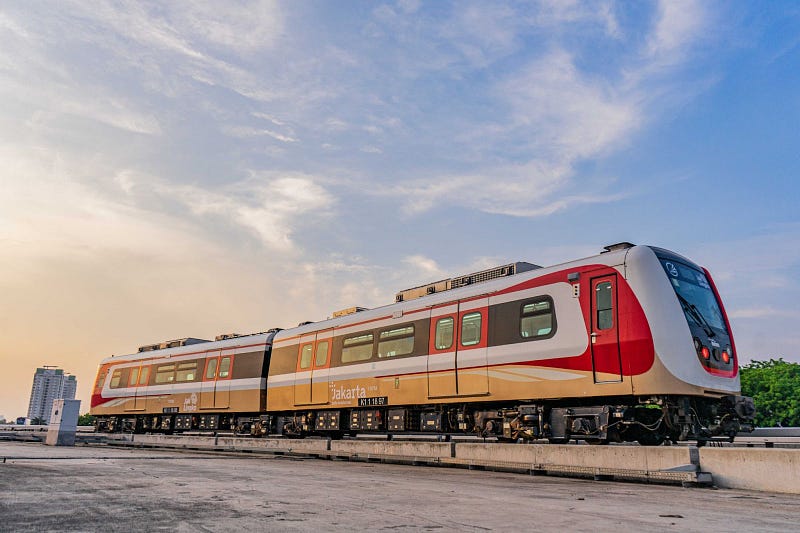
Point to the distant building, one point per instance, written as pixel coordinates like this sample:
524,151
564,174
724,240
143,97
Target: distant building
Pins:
49,383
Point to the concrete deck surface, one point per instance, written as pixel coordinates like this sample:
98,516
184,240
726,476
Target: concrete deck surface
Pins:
103,489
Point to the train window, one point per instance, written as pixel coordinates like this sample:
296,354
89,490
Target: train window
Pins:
358,348
305,356
470,329
144,375
134,377
186,371
444,333
115,379
224,367
322,353
536,319
165,373
395,342
98,386
605,313
211,369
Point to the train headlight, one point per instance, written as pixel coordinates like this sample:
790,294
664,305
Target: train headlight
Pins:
706,353
726,358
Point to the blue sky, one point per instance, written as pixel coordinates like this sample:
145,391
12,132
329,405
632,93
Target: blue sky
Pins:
179,169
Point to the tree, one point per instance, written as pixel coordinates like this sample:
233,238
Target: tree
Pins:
774,385
86,420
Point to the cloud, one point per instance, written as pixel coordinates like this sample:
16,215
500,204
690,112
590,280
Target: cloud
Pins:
246,132
678,24
552,113
423,265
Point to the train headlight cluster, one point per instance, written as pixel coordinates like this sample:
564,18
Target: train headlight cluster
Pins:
726,356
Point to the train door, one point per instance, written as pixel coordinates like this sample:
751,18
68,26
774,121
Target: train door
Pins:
138,396
605,330
302,376
215,389
457,355
320,372
313,368
442,351
140,400
472,373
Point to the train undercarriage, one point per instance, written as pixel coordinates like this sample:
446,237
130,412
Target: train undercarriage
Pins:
649,421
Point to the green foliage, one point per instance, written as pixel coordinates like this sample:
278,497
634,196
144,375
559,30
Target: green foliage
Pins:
775,387
86,420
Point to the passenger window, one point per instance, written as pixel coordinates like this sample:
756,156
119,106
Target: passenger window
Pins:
536,319
470,329
224,367
134,377
144,375
357,348
305,356
186,371
115,379
605,312
211,369
322,354
397,341
444,333
165,374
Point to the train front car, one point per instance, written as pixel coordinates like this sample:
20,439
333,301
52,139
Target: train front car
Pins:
628,345
693,385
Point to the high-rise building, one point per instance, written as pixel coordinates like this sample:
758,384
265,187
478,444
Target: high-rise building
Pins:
49,383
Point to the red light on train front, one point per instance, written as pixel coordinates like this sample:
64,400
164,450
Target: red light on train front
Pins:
706,353
726,358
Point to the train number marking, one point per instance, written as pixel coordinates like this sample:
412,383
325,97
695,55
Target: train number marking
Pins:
373,401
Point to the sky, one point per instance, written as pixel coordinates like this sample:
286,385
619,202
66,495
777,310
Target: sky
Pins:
189,168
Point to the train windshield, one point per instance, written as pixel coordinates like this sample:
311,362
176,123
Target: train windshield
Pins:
697,299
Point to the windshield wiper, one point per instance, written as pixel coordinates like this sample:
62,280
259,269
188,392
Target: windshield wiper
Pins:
697,315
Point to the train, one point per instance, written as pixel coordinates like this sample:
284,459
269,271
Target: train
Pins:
630,345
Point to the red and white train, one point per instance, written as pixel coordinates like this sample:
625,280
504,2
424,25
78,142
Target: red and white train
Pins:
632,344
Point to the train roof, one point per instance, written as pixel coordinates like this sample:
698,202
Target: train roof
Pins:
613,255
233,342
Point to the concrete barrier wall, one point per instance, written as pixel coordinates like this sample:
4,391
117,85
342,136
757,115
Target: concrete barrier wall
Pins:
752,468
623,457
413,449
772,470
294,445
